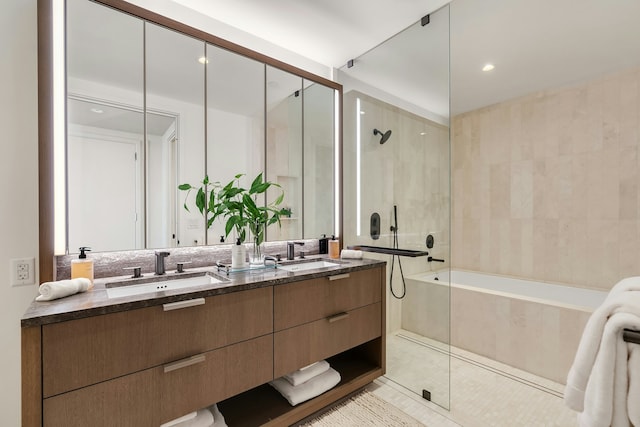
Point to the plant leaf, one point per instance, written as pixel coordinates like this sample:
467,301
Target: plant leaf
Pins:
201,200
185,187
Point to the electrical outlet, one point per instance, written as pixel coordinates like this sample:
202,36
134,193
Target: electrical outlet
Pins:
23,271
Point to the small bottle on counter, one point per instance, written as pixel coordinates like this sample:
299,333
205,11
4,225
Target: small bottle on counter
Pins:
82,267
323,245
334,248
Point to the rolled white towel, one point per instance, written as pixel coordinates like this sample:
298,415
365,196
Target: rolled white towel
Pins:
62,288
308,372
351,254
305,391
203,418
219,420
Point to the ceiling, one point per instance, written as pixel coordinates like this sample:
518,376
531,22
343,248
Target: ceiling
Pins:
534,44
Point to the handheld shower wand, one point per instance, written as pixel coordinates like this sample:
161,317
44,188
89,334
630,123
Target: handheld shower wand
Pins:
396,245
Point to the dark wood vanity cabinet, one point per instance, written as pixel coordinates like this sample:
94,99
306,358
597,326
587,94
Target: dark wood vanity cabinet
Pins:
147,366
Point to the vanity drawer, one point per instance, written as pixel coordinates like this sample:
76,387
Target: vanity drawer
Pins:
155,396
82,352
308,343
223,373
129,401
301,302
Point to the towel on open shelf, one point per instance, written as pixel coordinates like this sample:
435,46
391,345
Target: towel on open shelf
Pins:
62,288
308,390
202,418
219,420
624,285
597,383
308,372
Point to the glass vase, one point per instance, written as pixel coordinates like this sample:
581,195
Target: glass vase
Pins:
256,254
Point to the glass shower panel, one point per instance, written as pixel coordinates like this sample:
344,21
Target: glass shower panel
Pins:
397,193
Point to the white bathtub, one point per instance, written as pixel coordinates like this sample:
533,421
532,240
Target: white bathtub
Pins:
532,326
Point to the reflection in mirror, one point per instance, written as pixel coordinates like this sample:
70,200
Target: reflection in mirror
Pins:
319,146
235,122
284,149
175,81
104,62
103,138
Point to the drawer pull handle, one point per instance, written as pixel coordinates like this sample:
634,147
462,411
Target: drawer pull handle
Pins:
339,276
183,304
337,317
183,363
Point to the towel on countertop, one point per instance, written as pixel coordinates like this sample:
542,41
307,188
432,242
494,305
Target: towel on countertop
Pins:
608,397
351,254
308,372
308,390
62,288
202,418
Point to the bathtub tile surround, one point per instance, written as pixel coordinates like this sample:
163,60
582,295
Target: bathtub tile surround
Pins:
531,326
547,186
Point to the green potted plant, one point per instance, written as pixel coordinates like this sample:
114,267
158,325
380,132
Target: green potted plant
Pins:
239,207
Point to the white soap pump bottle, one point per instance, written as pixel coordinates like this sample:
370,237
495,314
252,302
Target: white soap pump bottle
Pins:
238,255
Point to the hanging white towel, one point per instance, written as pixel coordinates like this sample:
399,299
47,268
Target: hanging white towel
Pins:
308,390
305,374
607,399
624,285
62,288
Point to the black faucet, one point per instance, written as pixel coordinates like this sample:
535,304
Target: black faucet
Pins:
290,246
160,256
429,259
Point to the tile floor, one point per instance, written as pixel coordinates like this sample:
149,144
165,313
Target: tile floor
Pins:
483,393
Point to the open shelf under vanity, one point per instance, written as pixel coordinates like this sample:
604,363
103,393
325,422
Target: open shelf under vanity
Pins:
269,408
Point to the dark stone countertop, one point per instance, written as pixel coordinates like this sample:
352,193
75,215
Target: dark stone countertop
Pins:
96,302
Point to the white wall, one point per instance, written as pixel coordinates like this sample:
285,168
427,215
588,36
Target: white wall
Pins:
19,188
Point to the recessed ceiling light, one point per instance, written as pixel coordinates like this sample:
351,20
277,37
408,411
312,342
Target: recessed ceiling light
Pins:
203,60
97,110
488,67
362,112
423,133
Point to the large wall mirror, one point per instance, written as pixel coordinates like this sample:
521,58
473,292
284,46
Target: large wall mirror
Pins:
149,108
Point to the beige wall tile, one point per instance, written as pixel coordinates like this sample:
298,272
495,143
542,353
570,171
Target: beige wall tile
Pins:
565,163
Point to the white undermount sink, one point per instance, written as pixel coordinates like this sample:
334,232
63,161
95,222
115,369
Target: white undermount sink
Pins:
314,265
161,285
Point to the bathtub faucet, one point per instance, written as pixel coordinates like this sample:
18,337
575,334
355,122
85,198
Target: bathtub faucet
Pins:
430,259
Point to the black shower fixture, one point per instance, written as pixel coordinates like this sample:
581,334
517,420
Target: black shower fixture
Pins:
384,135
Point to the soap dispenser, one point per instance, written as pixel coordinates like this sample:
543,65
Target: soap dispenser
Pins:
334,248
82,267
238,255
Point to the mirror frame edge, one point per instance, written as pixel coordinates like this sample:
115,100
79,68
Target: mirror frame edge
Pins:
45,113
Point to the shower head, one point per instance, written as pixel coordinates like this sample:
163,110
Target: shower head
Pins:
384,135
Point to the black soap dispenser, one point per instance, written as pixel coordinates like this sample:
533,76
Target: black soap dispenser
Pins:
323,244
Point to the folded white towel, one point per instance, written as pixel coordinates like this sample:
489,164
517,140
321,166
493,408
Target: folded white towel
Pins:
62,288
217,417
351,254
203,418
312,388
308,372
177,421
607,399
